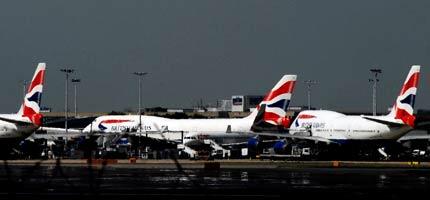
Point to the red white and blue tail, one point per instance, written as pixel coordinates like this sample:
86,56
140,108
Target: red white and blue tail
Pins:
278,99
273,109
31,105
403,109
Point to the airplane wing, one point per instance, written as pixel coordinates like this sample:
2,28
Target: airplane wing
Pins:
77,132
413,137
271,137
165,136
53,136
299,136
53,133
394,124
18,122
51,130
244,144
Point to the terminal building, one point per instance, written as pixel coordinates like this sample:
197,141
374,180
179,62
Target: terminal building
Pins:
245,103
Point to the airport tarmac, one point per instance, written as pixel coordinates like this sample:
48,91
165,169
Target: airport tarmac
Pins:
222,164
238,179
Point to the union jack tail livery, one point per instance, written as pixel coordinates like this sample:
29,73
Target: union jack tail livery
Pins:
31,105
403,109
273,109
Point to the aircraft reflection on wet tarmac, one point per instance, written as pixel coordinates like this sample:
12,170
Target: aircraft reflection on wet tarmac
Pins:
76,181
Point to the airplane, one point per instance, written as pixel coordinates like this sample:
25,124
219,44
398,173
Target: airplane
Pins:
186,130
189,132
357,132
18,126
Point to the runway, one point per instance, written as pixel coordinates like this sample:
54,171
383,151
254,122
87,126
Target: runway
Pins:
239,179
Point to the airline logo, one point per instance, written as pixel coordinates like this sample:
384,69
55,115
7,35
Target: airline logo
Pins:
121,125
32,98
303,116
404,106
111,122
278,99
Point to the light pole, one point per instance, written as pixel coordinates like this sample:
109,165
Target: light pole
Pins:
75,83
375,80
24,84
67,72
309,84
140,74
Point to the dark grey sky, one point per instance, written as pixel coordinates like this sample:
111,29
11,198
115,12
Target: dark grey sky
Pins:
213,50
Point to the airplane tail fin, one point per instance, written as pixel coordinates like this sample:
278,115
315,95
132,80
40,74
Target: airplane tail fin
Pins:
273,108
403,108
31,105
261,123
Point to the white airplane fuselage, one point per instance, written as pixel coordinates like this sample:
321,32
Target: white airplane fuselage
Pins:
130,123
343,128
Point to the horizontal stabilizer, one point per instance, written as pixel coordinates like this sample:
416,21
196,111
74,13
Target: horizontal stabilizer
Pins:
389,123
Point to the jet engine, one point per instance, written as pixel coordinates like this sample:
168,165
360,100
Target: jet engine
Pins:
280,147
253,143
